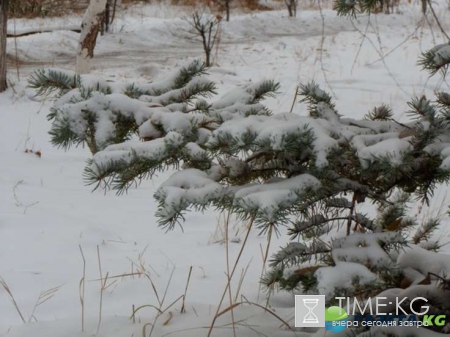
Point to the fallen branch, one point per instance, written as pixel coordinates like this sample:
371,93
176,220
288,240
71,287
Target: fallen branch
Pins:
26,32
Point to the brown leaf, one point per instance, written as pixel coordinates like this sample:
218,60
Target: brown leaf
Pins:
394,225
426,280
405,283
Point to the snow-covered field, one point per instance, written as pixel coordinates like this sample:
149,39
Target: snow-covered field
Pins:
47,213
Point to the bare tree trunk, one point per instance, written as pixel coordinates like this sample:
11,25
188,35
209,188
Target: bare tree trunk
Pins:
227,8
3,31
291,7
424,6
288,5
208,29
106,17
89,31
208,58
113,16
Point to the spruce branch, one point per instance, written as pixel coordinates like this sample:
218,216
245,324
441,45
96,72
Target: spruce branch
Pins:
435,59
48,81
188,73
381,113
426,230
265,89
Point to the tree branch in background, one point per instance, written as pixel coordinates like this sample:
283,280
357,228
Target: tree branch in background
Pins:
437,20
27,32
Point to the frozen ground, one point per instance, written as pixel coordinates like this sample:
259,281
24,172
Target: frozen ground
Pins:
46,212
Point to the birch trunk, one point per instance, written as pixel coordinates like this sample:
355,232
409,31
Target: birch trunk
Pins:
3,32
89,30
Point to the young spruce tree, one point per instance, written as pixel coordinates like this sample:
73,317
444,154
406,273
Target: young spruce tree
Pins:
306,172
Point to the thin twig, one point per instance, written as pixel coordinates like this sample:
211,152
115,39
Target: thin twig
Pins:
19,203
437,20
419,25
322,40
431,29
381,56
361,44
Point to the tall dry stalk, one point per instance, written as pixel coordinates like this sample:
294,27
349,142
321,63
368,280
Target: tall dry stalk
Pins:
266,255
102,289
81,287
10,294
183,310
227,222
230,278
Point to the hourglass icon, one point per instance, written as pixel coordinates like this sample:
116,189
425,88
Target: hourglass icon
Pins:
310,304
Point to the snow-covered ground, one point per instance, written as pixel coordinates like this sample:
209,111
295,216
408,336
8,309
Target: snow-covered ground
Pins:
46,211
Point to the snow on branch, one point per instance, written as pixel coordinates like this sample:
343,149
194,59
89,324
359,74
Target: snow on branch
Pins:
436,58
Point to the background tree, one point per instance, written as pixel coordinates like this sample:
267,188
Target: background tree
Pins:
291,7
106,18
424,6
4,4
90,27
224,5
205,29
109,15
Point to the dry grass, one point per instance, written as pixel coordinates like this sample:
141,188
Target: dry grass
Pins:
246,301
230,277
43,297
160,308
102,289
224,225
11,296
164,313
235,303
